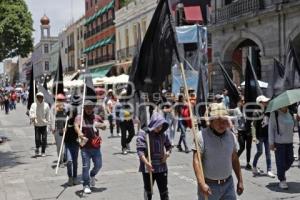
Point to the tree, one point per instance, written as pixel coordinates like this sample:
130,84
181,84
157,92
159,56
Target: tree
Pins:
16,27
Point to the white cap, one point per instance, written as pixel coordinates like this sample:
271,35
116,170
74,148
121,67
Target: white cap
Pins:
40,94
164,91
262,98
110,90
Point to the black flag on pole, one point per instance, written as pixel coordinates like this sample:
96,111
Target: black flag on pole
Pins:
292,70
45,84
233,92
252,91
58,79
31,95
154,61
275,86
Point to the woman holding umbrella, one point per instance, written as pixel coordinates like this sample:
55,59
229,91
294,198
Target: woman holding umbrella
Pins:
281,127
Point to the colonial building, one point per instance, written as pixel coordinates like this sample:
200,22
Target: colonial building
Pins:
100,35
131,24
40,55
260,29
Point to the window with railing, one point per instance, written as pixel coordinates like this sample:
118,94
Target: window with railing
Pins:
237,9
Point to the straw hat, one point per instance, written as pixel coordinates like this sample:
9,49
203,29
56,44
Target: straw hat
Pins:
218,110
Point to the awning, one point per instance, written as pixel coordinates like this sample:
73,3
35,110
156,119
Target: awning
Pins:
193,14
99,72
100,43
100,12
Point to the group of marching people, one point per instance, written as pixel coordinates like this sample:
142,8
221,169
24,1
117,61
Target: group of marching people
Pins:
216,150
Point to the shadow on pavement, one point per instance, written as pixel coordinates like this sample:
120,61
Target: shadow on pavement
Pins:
293,188
80,193
8,160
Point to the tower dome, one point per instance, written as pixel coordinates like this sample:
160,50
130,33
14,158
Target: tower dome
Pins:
45,20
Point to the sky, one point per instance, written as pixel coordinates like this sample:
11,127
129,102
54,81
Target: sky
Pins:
60,13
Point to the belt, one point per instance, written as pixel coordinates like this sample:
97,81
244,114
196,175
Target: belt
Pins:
219,182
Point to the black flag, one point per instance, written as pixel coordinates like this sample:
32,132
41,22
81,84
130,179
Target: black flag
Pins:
292,70
233,92
45,84
31,95
153,63
58,79
276,81
90,90
252,91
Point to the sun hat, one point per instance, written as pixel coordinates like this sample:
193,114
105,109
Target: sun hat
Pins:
218,110
262,98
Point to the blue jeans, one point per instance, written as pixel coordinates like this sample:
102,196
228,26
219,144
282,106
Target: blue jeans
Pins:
182,134
220,192
259,146
284,155
72,158
87,155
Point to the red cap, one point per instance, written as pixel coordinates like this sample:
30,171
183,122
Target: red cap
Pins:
61,97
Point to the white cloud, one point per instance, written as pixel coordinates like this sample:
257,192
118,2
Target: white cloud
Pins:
60,13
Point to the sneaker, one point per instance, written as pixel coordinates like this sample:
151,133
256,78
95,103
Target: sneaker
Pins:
75,181
93,181
37,152
271,174
87,190
256,171
179,148
124,151
43,155
70,181
128,147
283,185
248,167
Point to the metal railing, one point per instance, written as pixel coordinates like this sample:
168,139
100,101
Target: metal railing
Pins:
237,9
99,28
102,59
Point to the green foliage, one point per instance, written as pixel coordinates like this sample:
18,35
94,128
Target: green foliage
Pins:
16,27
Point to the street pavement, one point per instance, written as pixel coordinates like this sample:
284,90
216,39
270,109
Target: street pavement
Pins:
25,177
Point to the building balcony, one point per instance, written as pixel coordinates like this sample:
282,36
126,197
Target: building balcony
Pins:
99,28
71,47
102,59
126,53
237,9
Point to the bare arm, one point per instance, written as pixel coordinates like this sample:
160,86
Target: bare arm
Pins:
204,188
238,172
78,131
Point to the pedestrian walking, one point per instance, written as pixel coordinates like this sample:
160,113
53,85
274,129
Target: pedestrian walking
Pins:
281,128
40,117
168,115
6,104
71,144
154,136
261,136
244,133
59,114
218,148
181,110
110,109
91,149
124,113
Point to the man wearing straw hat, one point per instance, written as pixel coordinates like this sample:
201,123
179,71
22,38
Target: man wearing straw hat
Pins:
218,148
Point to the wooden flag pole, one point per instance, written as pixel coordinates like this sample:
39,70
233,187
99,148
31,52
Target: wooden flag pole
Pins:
82,105
34,92
194,131
61,145
149,160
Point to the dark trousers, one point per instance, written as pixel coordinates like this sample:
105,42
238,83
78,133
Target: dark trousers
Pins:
72,150
126,126
245,140
41,137
162,184
284,156
111,125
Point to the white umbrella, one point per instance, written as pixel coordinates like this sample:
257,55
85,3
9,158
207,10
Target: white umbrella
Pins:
261,84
